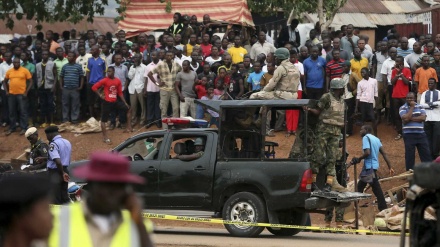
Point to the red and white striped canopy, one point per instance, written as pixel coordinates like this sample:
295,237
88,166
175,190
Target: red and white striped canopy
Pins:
148,15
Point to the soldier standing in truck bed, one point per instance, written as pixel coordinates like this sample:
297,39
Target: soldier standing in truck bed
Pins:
330,109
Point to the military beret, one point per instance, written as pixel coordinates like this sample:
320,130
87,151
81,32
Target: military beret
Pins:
51,129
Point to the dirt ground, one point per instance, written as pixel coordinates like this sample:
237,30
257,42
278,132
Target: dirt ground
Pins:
14,145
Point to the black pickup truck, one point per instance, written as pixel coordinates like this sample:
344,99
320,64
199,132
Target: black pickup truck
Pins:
238,175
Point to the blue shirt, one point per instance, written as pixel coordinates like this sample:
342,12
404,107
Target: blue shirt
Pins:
314,70
412,127
71,74
121,72
404,53
59,148
97,68
371,161
254,79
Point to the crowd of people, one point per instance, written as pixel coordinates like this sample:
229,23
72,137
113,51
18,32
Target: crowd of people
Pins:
126,83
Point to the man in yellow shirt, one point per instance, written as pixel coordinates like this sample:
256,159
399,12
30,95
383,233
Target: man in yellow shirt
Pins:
237,52
188,48
17,84
358,62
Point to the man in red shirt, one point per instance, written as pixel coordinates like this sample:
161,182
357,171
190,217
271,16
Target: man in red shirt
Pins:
112,91
206,46
400,79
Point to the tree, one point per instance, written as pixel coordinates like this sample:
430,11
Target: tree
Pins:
55,10
326,10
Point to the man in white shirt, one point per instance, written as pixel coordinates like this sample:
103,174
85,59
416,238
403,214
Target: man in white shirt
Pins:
261,46
136,89
152,92
430,100
366,97
83,58
5,66
179,58
412,58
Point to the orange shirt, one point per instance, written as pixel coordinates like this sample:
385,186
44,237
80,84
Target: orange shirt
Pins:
422,76
17,80
53,47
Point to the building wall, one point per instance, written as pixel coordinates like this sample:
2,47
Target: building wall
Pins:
406,29
435,21
371,34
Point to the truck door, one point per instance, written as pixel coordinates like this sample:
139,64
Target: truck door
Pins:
187,183
145,154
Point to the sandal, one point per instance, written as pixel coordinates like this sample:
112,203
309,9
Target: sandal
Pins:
107,141
128,131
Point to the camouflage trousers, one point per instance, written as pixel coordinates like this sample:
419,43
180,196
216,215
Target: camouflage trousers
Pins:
326,149
339,214
274,95
297,151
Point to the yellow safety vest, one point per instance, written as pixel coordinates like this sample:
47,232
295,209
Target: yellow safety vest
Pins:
70,229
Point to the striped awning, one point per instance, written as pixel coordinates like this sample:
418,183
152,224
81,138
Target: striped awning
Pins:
148,15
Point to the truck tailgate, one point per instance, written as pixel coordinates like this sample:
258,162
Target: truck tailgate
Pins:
332,199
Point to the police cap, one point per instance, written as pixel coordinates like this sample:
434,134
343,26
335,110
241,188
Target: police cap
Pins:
30,131
51,129
337,83
282,53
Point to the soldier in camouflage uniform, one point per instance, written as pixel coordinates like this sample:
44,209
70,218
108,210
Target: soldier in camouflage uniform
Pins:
199,145
39,151
283,85
330,109
341,175
285,80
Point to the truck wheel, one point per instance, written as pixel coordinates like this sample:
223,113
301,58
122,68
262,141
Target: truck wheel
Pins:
244,207
291,218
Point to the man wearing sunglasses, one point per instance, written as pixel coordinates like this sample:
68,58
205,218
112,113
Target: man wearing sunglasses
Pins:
39,151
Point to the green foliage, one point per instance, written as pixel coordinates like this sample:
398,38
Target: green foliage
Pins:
270,7
55,10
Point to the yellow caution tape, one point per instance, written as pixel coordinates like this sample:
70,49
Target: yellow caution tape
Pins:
219,221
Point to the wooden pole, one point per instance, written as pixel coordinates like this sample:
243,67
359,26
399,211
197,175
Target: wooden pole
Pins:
356,206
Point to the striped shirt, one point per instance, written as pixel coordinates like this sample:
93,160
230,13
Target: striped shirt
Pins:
412,127
71,74
404,53
334,68
419,61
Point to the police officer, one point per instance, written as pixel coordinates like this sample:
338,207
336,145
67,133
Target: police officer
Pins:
199,146
60,151
39,151
285,80
330,109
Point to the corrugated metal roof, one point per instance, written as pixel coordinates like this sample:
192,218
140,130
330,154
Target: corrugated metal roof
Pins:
397,7
386,19
362,6
382,7
424,10
357,19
